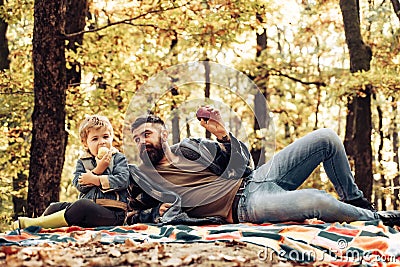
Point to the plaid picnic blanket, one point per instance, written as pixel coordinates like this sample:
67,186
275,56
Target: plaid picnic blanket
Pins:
368,243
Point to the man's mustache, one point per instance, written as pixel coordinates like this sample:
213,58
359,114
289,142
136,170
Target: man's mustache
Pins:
144,147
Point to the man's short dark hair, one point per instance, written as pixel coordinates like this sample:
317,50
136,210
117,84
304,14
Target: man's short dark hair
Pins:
147,118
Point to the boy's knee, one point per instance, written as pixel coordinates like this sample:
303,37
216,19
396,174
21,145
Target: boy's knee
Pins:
54,207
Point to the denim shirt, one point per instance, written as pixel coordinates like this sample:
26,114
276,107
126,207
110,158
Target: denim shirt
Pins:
115,195
230,160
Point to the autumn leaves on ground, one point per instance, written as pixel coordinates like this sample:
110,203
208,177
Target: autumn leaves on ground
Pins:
93,253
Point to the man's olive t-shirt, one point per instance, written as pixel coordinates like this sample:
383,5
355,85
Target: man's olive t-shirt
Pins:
203,193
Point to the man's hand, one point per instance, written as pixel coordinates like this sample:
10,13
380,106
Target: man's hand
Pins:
214,124
163,208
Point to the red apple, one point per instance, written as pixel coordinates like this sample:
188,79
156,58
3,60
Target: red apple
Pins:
203,113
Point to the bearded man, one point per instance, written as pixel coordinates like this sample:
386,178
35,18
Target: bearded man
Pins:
200,181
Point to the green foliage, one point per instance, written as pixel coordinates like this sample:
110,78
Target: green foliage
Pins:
16,90
15,135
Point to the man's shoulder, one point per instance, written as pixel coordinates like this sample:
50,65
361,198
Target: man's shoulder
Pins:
191,143
133,167
193,140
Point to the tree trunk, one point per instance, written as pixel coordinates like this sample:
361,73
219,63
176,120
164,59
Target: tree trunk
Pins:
396,7
207,86
362,138
349,135
4,51
175,116
75,17
260,122
383,182
360,108
396,157
176,138
48,118
260,105
395,136
175,127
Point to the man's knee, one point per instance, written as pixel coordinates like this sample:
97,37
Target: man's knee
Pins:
329,139
329,135
325,201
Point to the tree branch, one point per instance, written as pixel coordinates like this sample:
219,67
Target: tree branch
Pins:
279,73
125,21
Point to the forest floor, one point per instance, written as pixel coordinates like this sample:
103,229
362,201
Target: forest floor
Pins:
131,253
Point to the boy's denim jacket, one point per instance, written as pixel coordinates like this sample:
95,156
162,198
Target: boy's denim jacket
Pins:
230,160
112,191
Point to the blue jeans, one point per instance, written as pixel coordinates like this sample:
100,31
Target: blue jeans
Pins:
271,196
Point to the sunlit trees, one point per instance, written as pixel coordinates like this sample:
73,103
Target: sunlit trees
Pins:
116,46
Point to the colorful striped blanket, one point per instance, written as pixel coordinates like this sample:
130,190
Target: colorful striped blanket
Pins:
369,243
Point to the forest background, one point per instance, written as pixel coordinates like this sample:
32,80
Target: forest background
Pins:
316,64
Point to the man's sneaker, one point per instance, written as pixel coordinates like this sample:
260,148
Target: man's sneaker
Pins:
361,202
390,218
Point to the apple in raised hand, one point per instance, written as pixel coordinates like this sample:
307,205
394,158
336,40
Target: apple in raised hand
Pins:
203,113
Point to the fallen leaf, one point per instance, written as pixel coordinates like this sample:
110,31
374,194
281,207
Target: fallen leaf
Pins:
172,262
114,253
154,255
130,243
190,259
9,250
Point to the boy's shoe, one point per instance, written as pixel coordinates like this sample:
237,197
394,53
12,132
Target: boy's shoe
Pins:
390,218
362,202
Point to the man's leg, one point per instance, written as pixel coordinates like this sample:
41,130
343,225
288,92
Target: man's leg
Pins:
259,204
86,213
290,167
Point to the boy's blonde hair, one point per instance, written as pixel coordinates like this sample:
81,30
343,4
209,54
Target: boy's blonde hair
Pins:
93,122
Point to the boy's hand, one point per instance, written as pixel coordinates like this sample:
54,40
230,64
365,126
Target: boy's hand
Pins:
103,163
89,178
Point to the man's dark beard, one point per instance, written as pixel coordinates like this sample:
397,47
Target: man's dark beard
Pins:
151,155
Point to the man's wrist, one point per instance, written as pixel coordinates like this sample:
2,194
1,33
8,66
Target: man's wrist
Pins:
224,139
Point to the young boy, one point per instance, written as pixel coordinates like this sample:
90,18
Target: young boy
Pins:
102,181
